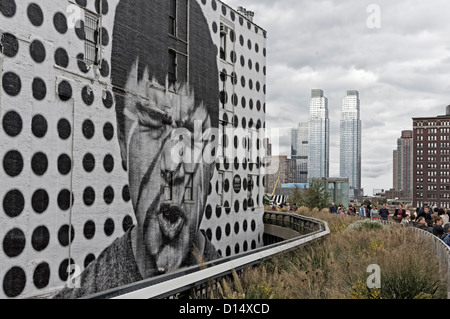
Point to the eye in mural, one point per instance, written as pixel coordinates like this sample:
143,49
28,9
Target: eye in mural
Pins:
162,86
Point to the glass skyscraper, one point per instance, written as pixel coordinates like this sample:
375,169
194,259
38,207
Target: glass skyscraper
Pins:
319,136
350,152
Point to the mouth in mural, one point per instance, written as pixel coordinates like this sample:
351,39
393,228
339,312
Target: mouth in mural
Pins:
174,242
171,221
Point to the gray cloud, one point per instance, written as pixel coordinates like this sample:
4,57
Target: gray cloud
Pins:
401,69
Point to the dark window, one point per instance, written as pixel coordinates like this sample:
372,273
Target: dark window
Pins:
168,189
172,67
223,41
172,17
189,188
91,45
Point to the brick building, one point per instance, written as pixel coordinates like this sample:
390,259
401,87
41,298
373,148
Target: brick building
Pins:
431,160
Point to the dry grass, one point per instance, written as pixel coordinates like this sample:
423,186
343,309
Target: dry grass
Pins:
335,267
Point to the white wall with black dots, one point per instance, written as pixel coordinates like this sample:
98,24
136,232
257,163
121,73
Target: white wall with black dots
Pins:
63,189
57,145
235,222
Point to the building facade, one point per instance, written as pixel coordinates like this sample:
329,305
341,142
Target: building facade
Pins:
126,121
299,152
395,170
319,136
302,153
404,161
338,189
431,160
350,143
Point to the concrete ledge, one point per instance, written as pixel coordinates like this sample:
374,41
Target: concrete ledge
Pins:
280,232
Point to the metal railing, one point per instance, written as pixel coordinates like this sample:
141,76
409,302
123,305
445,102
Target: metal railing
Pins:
437,246
200,281
440,249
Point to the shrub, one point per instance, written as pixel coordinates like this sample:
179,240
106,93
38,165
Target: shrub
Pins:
366,224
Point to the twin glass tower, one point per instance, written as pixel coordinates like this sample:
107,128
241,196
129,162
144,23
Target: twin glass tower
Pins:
350,140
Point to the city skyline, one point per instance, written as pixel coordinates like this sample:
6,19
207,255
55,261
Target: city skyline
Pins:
399,68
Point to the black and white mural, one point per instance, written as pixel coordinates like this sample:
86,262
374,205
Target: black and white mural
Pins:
113,116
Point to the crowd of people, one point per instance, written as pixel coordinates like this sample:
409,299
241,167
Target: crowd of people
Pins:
434,220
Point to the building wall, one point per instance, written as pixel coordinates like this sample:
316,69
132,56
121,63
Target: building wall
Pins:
302,153
350,145
67,189
405,164
395,170
431,161
319,136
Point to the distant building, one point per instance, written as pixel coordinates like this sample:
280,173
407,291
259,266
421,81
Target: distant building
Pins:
338,189
395,170
431,160
350,145
403,165
299,153
294,142
319,136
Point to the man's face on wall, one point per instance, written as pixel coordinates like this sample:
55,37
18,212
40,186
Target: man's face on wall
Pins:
167,193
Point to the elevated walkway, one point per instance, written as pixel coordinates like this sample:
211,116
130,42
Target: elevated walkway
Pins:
284,232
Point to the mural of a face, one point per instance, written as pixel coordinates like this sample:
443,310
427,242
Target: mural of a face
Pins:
167,194
168,197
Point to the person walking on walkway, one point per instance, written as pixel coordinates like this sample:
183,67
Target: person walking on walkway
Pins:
362,211
399,214
438,230
333,209
384,213
374,213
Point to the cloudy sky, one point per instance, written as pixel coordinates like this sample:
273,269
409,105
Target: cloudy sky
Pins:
399,61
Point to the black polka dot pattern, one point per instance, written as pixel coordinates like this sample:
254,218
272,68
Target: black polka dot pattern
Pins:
12,123
14,243
35,14
12,84
8,8
37,51
14,282
9,44
40,238
66,134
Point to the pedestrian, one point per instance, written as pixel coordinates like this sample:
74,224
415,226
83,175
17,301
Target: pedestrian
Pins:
399,214
374,213
425,213
438,230
407,220
446,234
351,210
384,213
333,209
443,215
421,223
430,225
422,209
362,211
407,210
